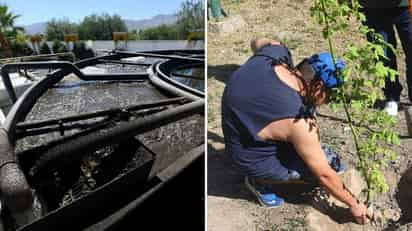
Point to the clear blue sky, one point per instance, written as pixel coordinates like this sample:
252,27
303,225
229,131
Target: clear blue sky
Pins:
33,11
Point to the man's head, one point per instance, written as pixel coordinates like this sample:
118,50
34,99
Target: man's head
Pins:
258,43
321,76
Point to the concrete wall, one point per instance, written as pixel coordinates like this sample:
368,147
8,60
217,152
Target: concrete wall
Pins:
144,45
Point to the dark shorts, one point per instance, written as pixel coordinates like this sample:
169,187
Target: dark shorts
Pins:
295,167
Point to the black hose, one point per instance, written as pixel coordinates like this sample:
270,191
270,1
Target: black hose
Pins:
74,149
15,191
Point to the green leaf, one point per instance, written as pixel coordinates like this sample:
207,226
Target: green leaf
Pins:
395,139
380,70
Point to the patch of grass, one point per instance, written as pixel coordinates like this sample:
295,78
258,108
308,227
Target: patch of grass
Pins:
241,50
293,5
288,224
238,42
212,108
293,224
211,118
299,1
292,43
265,224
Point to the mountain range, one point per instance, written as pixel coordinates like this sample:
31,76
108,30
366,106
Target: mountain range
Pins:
38,28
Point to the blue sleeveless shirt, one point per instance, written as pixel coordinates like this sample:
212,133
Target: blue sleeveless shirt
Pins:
254,97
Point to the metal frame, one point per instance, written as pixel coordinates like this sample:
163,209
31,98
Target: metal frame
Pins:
26,101
91,139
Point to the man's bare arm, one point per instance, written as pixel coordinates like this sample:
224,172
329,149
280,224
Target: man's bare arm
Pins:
305,138
303,134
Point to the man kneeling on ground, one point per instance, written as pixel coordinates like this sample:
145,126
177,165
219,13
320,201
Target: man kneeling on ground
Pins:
269,123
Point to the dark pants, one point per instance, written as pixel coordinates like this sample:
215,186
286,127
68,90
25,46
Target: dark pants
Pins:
384,21
293,167
298,170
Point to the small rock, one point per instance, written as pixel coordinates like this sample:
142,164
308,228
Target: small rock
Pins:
317,221
227,25
354,182
218,146
378,216
391,214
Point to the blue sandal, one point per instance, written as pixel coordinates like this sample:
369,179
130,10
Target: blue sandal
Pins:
264,195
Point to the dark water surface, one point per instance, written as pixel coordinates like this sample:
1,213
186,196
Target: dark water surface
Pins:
192,77
73,97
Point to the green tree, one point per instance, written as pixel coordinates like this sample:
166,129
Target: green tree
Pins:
190,18
45,49
372,130
7,29
20,48
95,27
89,28
133,35
81,52
19,45
56,29
162,32
58,47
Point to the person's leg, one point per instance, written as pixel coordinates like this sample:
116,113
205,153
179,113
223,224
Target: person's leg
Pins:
403,26
382,21
265,167
263,192
285,167
298,170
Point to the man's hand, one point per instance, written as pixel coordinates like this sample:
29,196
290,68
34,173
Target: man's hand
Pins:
360,213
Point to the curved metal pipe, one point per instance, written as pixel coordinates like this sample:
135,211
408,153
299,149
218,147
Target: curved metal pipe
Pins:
163,70
75,148
6,68
158,82
67,67
15,190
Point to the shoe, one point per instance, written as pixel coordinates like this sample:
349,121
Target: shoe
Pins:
265,197
391,108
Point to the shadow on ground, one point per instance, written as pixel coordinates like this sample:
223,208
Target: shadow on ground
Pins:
344,121
225,179
404,196
221,72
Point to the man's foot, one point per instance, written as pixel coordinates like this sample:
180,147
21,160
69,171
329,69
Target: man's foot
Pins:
391,108
264,195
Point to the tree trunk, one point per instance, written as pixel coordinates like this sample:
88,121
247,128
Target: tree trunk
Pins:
5,46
